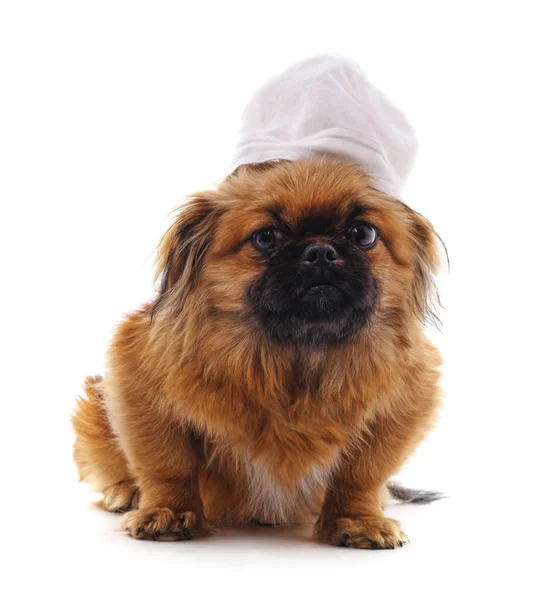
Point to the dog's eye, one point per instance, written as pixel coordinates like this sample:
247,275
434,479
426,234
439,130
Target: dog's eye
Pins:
267,239
363,235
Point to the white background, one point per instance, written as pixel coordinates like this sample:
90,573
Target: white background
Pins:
111,112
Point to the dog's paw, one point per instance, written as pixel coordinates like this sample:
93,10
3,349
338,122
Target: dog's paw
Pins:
120,497
364,532
163,524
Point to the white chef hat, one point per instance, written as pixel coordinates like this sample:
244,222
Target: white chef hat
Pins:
325,104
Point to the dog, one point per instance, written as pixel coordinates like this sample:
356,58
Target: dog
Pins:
281,374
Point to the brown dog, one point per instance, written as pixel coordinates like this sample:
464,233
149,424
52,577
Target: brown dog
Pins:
281,373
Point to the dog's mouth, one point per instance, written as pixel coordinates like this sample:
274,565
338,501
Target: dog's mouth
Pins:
316,308
322,281
324,294
322,301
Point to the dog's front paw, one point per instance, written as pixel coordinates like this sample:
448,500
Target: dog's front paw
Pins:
373,532
164,524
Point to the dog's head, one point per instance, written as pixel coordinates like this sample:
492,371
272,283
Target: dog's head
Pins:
306,252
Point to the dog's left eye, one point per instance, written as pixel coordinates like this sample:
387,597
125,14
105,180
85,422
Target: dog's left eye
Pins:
363,235
267,239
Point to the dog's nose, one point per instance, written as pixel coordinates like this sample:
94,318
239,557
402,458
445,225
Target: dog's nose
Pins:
319,253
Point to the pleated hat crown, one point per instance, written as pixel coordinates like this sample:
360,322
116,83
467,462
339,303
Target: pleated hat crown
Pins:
326,104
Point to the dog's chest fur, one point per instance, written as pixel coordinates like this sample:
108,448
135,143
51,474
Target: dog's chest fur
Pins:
281,457
287,471
272,500
280,474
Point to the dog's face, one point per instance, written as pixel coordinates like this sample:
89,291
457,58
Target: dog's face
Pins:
316,285
306,251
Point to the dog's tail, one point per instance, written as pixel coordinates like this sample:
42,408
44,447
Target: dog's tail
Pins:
407,495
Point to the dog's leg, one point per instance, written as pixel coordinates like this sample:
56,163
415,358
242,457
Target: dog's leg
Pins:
352,512
163,456
97,454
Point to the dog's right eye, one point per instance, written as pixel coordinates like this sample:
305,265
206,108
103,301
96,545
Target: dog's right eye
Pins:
267,239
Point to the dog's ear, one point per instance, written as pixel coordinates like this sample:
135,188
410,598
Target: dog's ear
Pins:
183,247
426,265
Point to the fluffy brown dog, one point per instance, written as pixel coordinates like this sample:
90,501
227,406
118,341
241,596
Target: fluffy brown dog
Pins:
281,374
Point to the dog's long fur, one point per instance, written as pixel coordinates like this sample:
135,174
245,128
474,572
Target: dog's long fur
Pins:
203,417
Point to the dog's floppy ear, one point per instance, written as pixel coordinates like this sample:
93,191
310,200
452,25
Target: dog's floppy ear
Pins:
182,250
426,265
